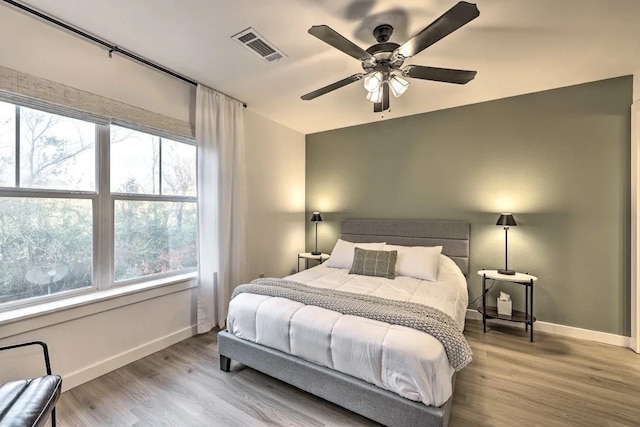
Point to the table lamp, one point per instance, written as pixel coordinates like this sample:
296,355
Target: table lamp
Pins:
506,220
316,218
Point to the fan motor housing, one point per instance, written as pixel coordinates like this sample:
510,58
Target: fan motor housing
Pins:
383,58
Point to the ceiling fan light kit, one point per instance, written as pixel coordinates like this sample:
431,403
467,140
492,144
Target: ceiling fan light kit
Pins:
373,84
382,63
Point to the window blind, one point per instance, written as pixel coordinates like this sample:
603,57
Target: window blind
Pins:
35,92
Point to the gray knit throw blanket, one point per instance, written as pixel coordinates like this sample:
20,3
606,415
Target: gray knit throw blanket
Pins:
417,316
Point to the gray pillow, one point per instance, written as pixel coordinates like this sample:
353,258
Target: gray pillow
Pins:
374,263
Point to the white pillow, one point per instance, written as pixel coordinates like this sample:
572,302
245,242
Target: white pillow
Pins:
342,253
420,262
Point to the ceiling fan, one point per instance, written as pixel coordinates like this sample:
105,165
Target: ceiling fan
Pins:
382,62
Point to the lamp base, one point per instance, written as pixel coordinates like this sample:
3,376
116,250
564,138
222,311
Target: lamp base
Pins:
316,253
507,272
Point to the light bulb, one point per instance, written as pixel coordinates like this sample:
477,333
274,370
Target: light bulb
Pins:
398,85
373,81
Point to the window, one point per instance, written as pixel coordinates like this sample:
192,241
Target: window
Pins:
56,197
153,185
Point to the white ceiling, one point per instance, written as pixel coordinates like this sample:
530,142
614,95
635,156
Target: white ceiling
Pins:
517,46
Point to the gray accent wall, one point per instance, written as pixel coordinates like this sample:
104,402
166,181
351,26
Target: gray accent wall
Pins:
559,160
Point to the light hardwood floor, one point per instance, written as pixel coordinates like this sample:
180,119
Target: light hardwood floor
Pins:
555,381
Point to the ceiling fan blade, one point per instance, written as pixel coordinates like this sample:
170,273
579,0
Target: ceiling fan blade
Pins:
379,107
446,75
332,86
459,15
330,36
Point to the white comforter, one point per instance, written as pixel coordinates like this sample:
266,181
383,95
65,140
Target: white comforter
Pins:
408,362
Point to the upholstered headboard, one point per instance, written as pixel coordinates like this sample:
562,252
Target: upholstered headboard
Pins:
453,236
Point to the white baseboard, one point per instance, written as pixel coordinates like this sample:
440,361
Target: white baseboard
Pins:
89,373
567,331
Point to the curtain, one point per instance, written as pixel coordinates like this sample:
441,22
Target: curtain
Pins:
222,204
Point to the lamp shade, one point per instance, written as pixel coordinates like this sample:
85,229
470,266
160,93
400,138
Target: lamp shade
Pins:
316,217
372,82
375,96
398,85
506,220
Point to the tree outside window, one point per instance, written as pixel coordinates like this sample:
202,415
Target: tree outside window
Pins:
49,198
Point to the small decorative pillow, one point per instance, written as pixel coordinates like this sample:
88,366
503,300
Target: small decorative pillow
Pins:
374,263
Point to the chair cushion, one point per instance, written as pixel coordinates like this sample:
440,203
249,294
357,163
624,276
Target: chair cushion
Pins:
29,402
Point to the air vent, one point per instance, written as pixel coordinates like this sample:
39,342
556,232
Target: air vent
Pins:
257,44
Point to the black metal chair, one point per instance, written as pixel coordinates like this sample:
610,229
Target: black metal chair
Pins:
30,402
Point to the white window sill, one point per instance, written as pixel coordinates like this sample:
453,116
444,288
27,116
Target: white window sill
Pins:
14,322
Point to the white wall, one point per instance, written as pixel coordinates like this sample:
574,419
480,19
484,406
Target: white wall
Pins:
90,340
276,181
38,48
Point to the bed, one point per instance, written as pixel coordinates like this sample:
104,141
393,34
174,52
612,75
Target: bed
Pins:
385,397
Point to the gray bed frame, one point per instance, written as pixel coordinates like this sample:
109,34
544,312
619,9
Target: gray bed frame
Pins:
344,390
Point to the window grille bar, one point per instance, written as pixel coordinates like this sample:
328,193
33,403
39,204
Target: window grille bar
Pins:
153,197
160,166
17,142
45,193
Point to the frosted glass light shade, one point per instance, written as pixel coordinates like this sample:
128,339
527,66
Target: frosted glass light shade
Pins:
372,82
375,96
398,85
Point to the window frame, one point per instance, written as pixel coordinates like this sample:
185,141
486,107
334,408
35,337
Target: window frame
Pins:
102,203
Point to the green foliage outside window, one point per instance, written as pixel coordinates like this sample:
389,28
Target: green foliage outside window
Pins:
45,246
47,239
154,237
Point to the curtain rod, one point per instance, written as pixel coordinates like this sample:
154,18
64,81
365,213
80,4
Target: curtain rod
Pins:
112,48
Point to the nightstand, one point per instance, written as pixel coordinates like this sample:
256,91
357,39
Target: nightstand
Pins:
523,279
306,256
